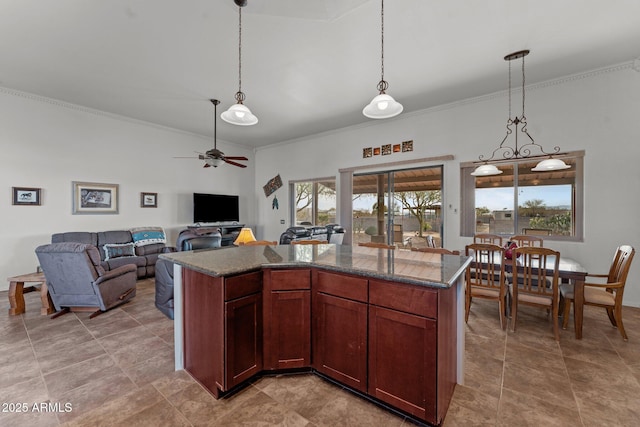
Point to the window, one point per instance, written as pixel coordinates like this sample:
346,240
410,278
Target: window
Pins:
521,201
313,202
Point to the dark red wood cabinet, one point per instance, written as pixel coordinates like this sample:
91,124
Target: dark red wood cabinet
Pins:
222,328
410,348
395,342
340,328
287,318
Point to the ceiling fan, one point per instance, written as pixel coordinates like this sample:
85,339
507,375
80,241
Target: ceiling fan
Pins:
215,157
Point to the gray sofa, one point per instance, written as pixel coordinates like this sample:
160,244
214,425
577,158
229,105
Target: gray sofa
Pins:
121,249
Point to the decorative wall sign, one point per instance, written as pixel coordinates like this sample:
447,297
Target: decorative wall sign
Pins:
271,186
367,152
407,146
386,149
376,151
26,196
94,198
396,148
148,200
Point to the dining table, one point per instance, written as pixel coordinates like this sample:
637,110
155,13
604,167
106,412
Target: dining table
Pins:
569,270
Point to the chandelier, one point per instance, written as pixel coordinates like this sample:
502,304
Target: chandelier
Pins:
529,150
382,106
239,114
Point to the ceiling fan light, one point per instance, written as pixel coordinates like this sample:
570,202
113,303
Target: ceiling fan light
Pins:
550,165
215,162
239,114
382,106
486,170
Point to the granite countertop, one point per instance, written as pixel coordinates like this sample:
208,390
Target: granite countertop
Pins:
419,268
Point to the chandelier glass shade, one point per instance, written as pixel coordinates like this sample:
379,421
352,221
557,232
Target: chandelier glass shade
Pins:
382,106
239,114
518,151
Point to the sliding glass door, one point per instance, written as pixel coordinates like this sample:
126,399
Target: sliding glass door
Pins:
399,207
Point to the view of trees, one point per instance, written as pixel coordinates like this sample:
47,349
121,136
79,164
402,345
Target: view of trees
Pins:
305,195
418,203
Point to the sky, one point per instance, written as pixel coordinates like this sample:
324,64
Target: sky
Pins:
497,199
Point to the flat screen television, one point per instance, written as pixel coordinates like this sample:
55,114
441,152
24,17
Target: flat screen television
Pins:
215,208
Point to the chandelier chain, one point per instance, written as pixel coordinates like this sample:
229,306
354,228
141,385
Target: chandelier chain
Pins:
382,40
239,50
523,116
509,117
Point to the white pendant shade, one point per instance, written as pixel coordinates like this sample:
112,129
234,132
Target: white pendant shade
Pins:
382,106
550,165
239,114
486,170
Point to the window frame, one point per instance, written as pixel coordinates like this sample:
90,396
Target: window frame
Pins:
314,208
468,208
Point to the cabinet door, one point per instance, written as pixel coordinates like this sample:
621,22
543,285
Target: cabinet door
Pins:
287,318
243,338
289,342
340,337
402,361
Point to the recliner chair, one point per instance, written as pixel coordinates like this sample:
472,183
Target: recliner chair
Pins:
164,287
77,281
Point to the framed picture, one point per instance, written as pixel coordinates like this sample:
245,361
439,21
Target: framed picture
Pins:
94,198
26,196
148,200
386,149
407,146
367,152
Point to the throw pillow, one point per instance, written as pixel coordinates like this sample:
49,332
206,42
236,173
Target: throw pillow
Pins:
148,235
118,250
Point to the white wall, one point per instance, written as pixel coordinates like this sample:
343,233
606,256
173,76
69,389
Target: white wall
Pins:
48,144
596,112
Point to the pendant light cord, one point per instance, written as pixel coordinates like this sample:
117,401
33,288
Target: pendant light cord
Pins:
382,40
523,117
239,53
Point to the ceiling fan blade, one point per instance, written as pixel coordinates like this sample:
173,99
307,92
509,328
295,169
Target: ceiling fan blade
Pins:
226,159
236,157
186,158
206,165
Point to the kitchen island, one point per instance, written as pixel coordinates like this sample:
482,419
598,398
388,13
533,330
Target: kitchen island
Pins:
387,324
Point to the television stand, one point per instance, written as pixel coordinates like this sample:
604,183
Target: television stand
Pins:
229,230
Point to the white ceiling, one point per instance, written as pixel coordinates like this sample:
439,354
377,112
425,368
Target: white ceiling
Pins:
308,66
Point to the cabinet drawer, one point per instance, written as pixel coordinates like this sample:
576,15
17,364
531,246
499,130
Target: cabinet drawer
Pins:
407,298
290,280
350,287
242,285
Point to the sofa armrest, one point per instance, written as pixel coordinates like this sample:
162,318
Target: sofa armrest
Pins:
117,272
169,249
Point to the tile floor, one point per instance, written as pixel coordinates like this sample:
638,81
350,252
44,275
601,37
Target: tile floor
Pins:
117,369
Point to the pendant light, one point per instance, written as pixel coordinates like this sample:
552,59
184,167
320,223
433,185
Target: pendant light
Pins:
529,150
382,106
239,114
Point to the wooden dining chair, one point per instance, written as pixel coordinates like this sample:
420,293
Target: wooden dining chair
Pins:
436,251
523,241
607,295
485,278
309,242
262,243
376,245
493,239
535,286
